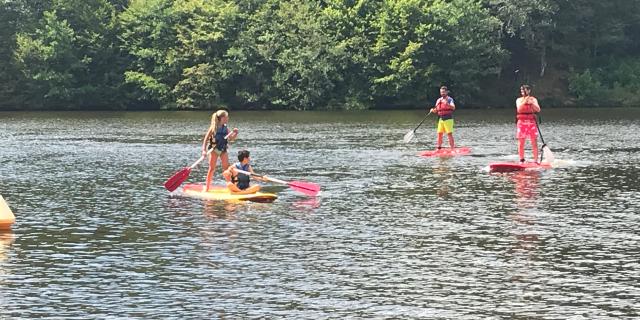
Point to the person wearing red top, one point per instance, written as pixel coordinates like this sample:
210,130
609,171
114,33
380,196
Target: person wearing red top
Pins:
444,108
526,125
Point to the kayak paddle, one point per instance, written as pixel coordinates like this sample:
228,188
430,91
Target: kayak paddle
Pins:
546,151
179,177
412,133
308,188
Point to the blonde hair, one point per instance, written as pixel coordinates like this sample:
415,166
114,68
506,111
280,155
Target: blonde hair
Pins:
215,119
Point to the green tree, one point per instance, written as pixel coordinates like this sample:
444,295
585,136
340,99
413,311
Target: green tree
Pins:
15,16
177,47
295,57
403,48
532,21
70,59
47,60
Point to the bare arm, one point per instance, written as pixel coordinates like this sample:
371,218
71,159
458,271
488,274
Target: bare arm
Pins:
227,174
259,177
435,108
207,136
452,105
535,105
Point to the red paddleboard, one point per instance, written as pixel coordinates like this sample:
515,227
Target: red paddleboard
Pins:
517,166
446,152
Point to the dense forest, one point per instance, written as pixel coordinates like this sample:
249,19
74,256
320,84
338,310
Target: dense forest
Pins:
315,54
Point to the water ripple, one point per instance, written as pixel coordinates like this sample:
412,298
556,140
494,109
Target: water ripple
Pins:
392,234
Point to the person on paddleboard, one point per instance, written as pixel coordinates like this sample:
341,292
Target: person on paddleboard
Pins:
217,138
526,125
444,109
239,182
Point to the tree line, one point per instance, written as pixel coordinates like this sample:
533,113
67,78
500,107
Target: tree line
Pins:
315,54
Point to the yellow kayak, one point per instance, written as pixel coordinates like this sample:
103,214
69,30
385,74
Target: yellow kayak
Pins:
224,194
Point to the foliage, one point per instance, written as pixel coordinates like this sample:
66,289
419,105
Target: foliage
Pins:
68,58
175,48
307,54
615,84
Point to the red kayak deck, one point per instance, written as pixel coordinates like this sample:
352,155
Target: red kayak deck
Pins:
446,152
517,166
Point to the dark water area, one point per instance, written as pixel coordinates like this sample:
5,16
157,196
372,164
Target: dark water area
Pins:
392,234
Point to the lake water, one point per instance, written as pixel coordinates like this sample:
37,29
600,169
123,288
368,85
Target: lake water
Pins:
392,234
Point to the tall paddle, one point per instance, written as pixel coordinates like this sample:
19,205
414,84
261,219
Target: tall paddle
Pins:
546,151
308,188
412,133
179,177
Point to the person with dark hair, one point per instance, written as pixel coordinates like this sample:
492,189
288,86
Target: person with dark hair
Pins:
526,125
444,109
238,182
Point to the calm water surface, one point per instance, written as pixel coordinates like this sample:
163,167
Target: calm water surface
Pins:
392,235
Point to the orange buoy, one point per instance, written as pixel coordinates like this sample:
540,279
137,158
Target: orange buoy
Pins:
6,216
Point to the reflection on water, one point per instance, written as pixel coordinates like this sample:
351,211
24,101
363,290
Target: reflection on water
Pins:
442,177
306,204
526,187
222,209
6,240
392,235
525,231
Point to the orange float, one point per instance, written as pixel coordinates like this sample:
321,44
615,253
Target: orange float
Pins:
6,216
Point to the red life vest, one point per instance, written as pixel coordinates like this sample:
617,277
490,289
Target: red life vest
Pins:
530,115
443,107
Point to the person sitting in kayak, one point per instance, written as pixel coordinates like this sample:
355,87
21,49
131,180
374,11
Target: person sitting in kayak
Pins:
444,108
526,126
237,182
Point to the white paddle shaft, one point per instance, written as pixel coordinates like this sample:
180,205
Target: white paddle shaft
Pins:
201,158
258,175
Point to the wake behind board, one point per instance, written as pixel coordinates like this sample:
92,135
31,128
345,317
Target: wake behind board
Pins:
221,193
517,166
446,152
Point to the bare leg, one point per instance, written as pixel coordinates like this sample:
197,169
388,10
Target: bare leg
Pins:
521,148
534,148
234,189
439,143
451,142
213,160
224,159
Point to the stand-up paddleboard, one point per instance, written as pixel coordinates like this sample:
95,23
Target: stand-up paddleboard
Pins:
517,166
446,152
6,216
224,194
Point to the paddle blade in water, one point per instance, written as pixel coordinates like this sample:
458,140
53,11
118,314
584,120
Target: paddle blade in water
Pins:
409,136
177,179
308,188
547,154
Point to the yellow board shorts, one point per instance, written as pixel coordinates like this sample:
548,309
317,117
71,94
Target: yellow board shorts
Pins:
445,126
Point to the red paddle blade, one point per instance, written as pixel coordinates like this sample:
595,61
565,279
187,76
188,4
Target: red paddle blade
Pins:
308,188
177,179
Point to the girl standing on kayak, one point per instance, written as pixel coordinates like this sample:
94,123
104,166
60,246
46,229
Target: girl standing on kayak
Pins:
526,108
217,138
444,108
